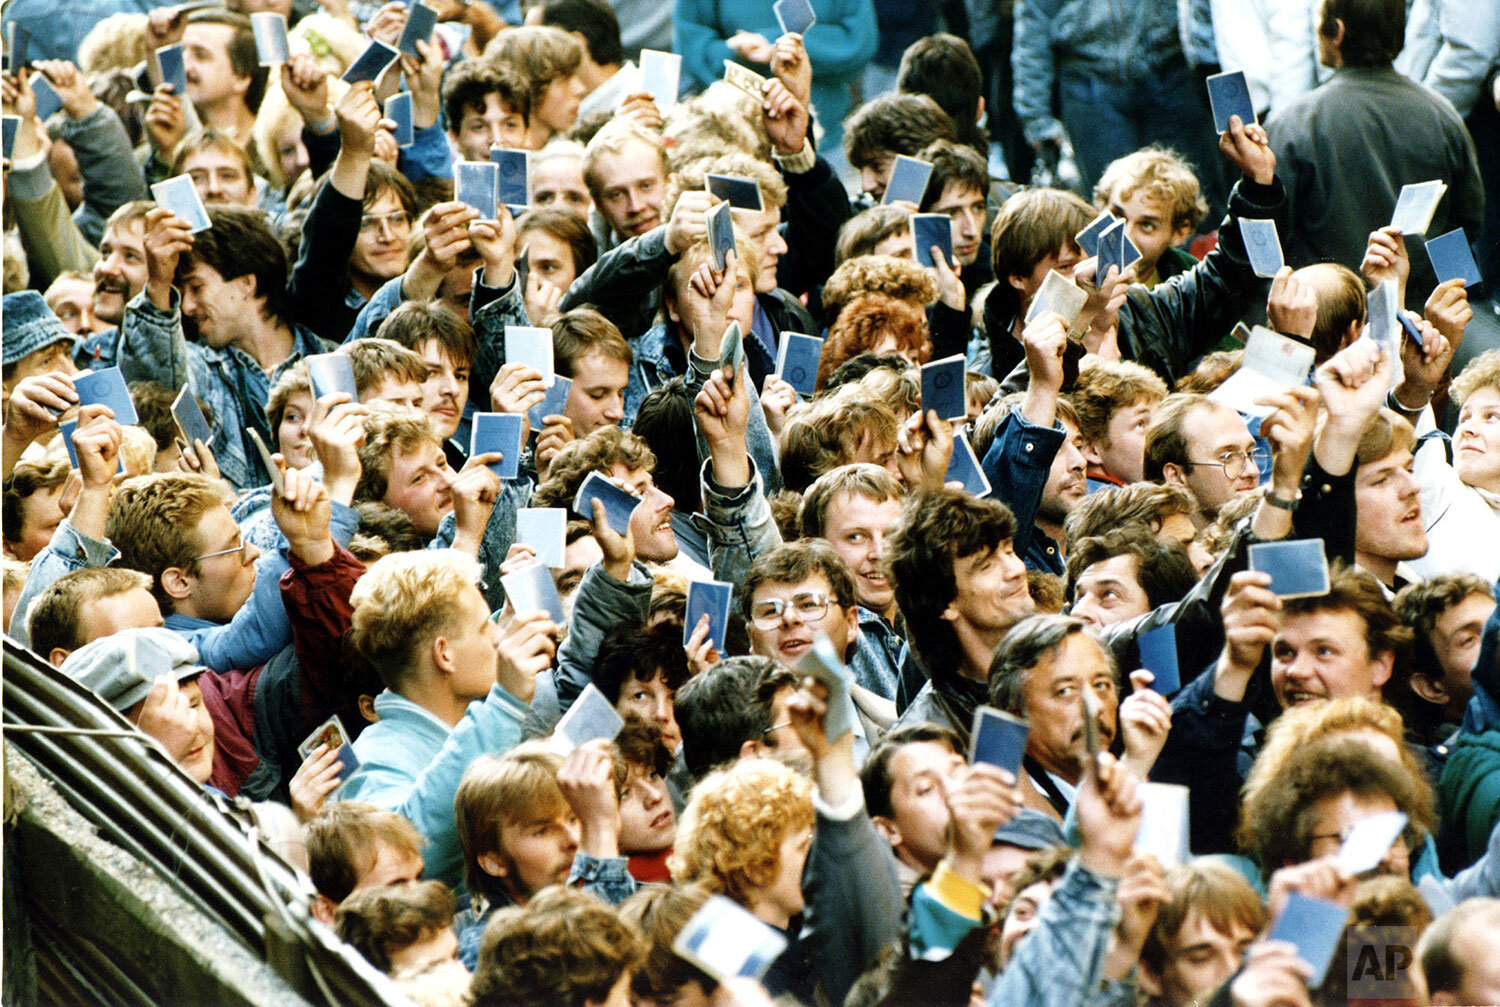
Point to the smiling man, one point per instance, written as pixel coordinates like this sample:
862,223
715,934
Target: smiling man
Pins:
224,78
625,168
1204,448
793,595
855,507
1345,643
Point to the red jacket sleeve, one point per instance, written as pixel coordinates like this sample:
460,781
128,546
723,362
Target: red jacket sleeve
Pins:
317,603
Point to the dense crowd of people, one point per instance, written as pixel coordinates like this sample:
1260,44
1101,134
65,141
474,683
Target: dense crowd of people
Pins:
1220,539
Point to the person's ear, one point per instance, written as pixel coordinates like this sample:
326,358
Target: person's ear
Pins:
751,749
1018,282
10,553
1337,36
1091,455
443,657
58,656
669,302
1174,475
851,616
1381,666
324,909
1351,333
493,864
1427,688
367,708
177,583
949,614
887,830
1180,233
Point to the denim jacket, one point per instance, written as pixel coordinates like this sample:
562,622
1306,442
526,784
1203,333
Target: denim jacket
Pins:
1059,963
491,309
499,535
228,379
1017,465
738,523
601,603
877,657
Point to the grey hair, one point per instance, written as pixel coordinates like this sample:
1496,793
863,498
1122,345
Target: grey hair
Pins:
1028,642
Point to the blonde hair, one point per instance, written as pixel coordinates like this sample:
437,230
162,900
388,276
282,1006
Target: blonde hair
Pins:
1106,386
698,253
1156,173
117,42
402,602
376,360
613,139
519,786
153,521
730,836
1481,372
694,174
388,432
822,435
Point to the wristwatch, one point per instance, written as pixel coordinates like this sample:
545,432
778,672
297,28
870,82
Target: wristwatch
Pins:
1281,504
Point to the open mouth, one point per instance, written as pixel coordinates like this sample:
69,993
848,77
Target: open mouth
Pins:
662,820
1298,696
794,648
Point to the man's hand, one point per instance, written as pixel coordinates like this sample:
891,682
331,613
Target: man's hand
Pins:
980,799
950,288
314,780
526,649
792,68
1322,878
495,241
1273,976
70,85
1101,311
168,716
701,652
1045,338
516,388
750,46
388,23
640,108
475,489
306,88
1289,429
1109,812
164,26
542,298
1353,383
587,782
776,397
1448,309
687,223
445,230
358,115
705,305
1292,307
1424,365
924,447
1386,259
833,761
1250,149
1143,891
1145,719
424,76
302,512
96,441
165,122
337,431
619,550
722,411
167,237
35,404
1251,616
556,435
786,119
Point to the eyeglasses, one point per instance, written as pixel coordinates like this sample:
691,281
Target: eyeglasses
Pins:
810,607
397,220
1234,462
223,552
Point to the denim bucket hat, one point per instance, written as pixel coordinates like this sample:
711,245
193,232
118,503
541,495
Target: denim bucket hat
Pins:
29,325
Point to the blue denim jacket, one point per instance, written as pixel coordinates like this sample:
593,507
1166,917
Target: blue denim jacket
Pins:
1017,465
877,658
153,348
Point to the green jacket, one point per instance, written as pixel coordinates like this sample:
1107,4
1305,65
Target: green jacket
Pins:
1469,794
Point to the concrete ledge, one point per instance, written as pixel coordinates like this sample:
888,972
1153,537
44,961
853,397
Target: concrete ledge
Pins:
82,890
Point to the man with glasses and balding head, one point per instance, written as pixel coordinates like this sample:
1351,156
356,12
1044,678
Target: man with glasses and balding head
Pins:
1204,448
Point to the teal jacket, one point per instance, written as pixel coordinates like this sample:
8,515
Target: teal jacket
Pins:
840,44
1469,794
